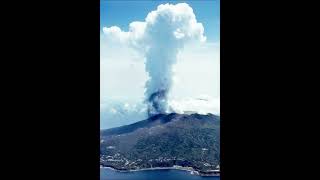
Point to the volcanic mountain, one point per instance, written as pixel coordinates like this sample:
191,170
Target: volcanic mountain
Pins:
164,140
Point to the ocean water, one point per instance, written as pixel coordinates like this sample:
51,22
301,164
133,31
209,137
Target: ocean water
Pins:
170,174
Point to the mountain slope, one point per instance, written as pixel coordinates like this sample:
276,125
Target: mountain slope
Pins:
163,140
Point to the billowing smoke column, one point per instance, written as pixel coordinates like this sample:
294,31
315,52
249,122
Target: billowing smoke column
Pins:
160,37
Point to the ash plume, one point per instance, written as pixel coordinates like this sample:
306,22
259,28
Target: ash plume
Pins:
159,38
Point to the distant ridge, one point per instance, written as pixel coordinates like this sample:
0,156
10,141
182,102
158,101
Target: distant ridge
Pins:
152,121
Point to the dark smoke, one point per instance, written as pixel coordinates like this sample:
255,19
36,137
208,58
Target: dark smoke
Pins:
157,103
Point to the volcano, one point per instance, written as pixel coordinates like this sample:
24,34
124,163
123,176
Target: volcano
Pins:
164,140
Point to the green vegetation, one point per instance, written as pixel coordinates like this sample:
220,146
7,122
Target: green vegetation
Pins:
164,141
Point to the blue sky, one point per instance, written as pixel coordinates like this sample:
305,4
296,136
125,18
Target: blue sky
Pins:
122,12
122,69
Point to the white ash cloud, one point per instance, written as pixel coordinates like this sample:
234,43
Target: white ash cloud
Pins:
159,38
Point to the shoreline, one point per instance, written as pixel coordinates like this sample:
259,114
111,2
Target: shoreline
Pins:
189,169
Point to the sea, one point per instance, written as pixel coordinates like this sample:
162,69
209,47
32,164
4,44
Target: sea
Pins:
159,174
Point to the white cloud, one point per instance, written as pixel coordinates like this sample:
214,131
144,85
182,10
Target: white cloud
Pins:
203,105
179,19
114,113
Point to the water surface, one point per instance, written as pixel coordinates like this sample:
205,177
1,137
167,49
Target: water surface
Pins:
170,174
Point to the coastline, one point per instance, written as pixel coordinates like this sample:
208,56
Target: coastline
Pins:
189,169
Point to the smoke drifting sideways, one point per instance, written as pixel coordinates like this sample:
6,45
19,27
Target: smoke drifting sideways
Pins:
159,38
